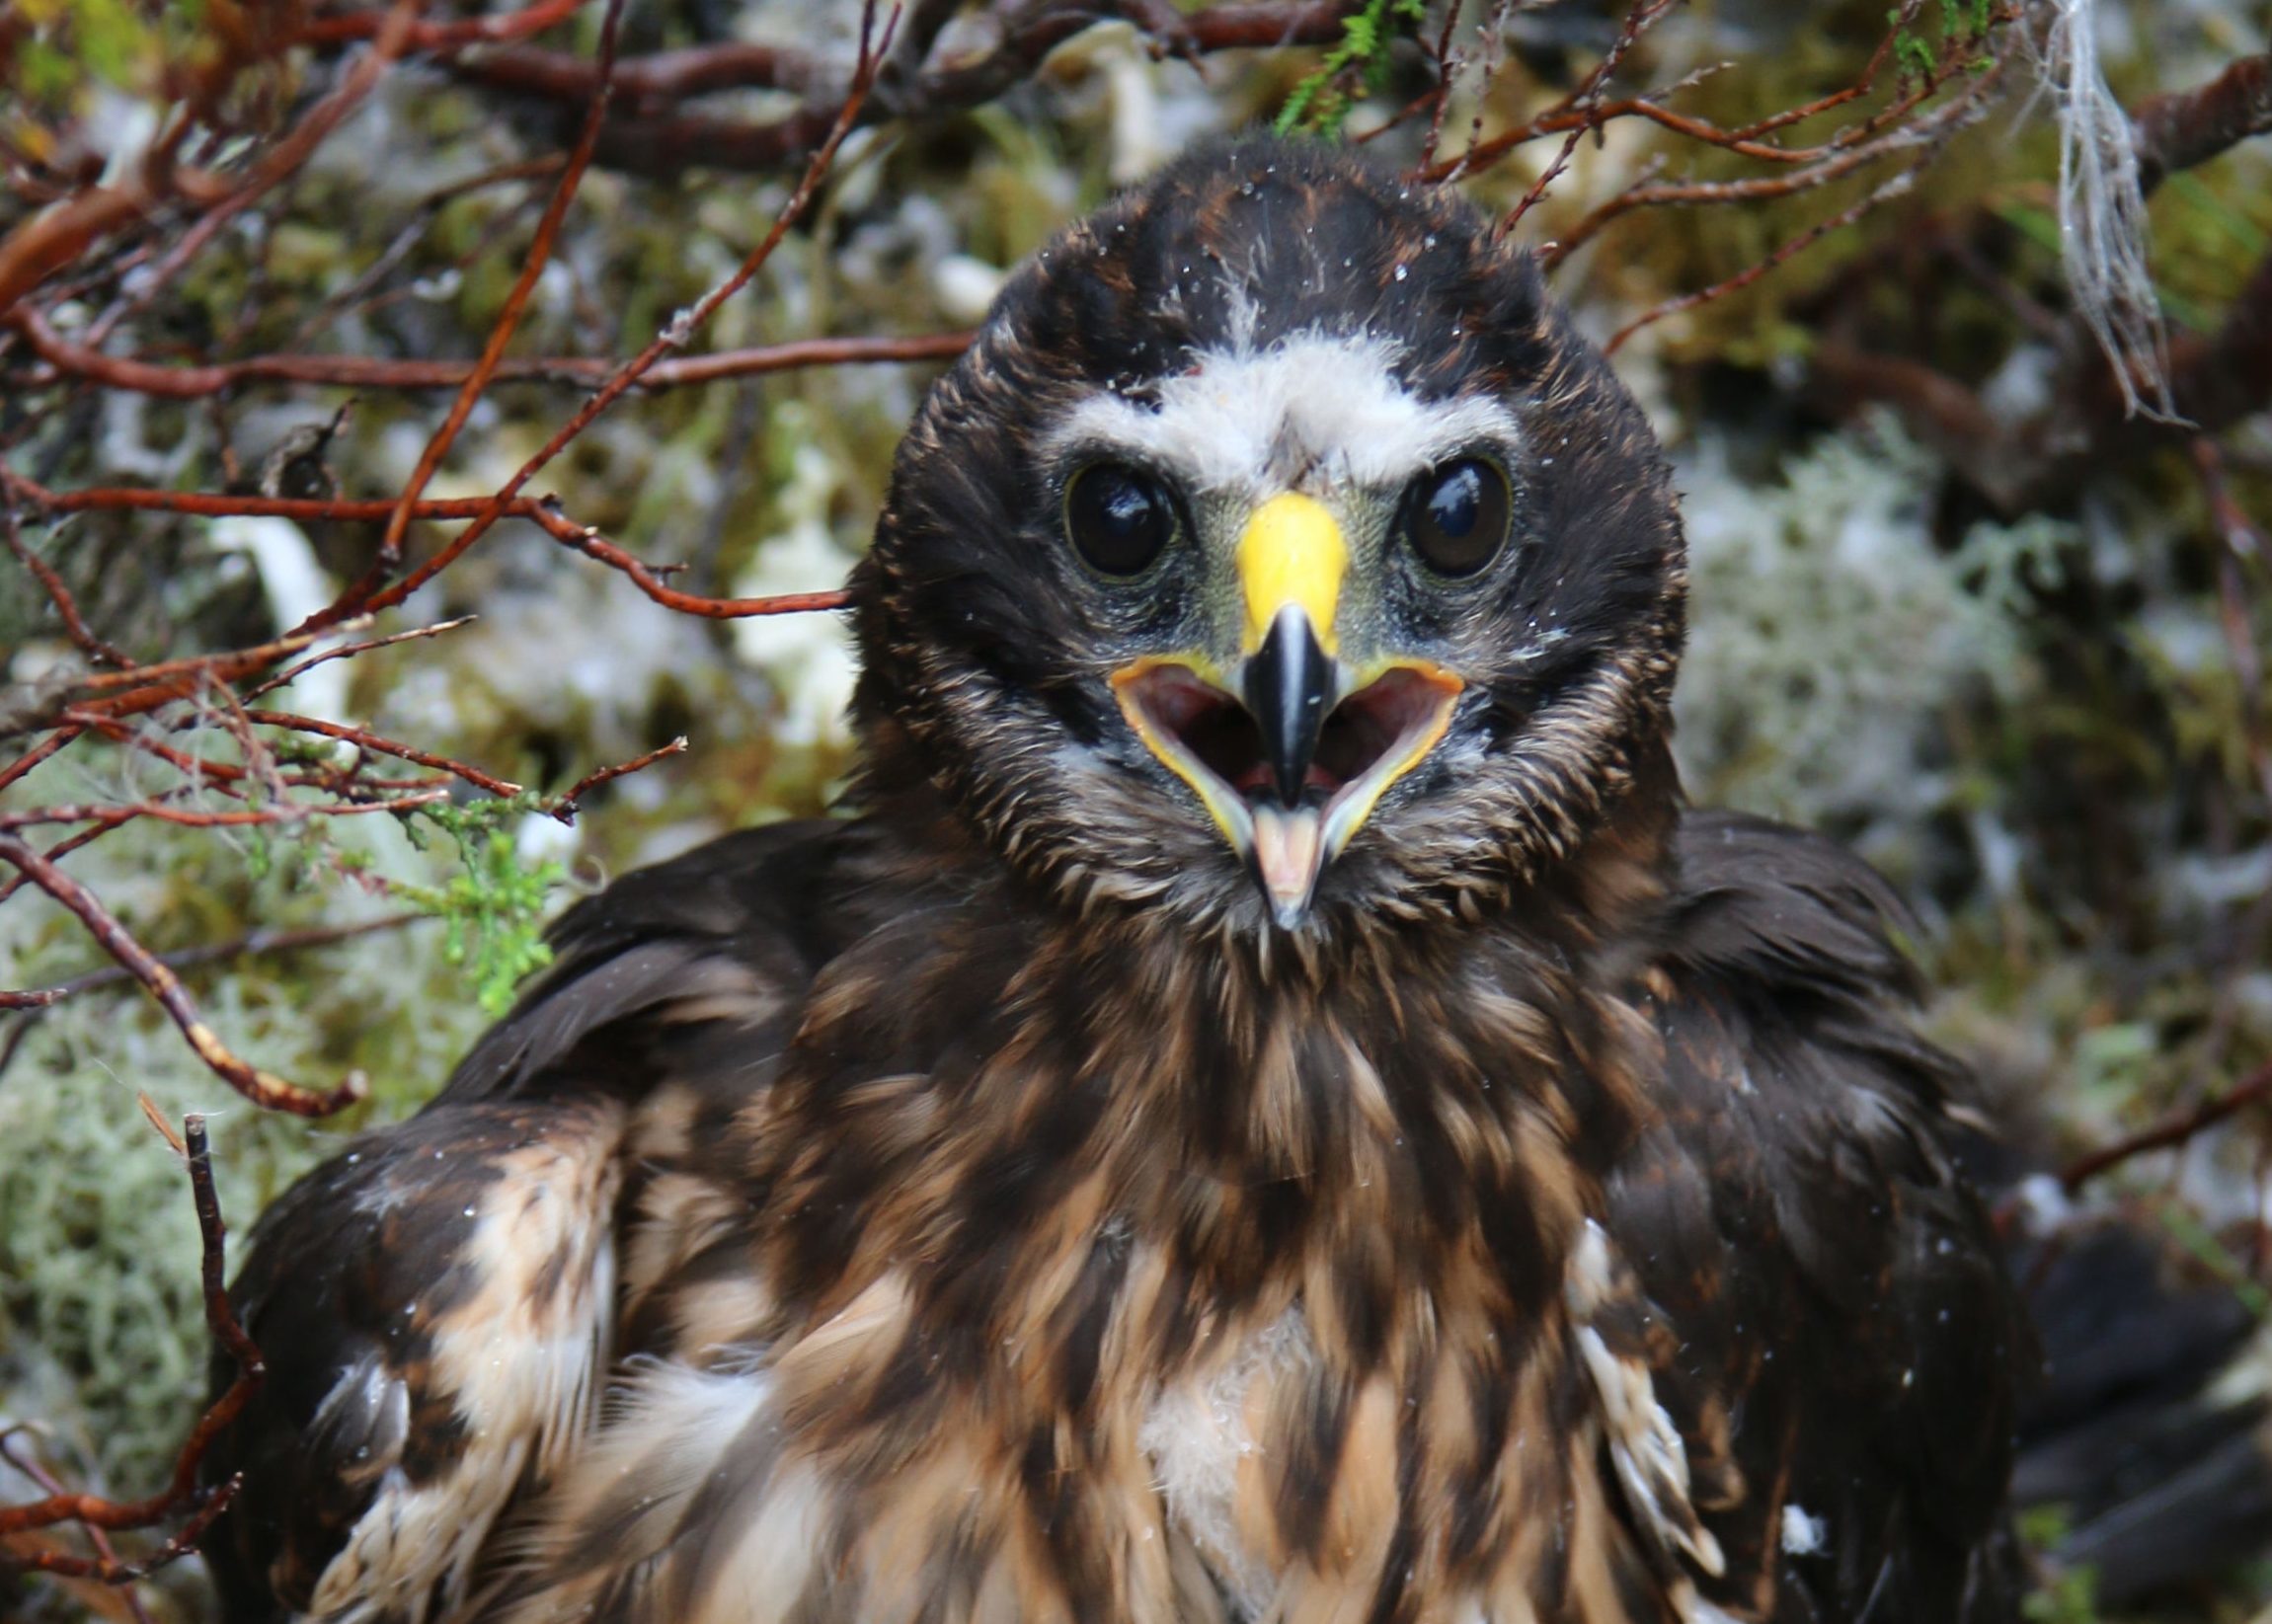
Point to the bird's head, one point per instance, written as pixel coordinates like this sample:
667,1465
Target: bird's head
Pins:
1279,556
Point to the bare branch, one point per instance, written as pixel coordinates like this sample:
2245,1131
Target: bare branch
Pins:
53,239
261,1088
564,807
363,597
253,945
450,36
1638,19
66,606
2172,1131
2185,127
369,372
541,513
654,134
509,318
347,650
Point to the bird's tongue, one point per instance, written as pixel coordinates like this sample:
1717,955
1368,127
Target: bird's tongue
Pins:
1286,850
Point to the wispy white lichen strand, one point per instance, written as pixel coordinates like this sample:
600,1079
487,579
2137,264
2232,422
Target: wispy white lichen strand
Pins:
2102,226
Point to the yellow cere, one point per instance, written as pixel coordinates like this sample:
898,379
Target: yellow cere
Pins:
1292,551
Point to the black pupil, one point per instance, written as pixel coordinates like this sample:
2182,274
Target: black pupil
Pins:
1118,517
1461,517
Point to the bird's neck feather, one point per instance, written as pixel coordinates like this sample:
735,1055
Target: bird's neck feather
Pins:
1422,1113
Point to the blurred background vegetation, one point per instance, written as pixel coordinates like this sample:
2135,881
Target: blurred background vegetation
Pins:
2025,679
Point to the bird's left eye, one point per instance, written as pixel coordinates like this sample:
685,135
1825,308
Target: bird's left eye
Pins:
1456,515
1118,518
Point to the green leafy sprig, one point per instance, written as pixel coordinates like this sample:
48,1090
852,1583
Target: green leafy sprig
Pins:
1320,101
492,908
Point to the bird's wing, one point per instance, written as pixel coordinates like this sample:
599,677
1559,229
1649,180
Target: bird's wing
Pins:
1815,1295
726,934
432,1306
437,1303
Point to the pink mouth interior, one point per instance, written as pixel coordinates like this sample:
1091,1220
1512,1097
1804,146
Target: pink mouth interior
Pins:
1218,730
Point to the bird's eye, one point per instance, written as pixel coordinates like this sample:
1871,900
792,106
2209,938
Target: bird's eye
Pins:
1118,517
1457,516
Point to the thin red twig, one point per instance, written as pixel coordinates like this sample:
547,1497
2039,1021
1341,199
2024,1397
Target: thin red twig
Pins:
60,849
243,947
588,541
509,318
197,768
2171,1131
540,512
1790,249
450,36
112,813
275,166
347,650
66,606
263,1088
1882,134
654,135
144,377
564,807
364,739
49,1483
674,336
1638,22
38,754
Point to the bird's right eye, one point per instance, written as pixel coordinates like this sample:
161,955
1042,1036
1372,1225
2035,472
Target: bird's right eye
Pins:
1118,518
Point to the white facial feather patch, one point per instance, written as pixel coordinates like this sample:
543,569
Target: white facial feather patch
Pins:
1313,405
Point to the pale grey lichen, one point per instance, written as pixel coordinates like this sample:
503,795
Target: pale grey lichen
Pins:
98,1241
1828,630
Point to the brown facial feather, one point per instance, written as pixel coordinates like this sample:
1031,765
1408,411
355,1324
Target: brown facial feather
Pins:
1016,1226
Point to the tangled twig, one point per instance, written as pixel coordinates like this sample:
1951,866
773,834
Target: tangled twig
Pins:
139,377
656,133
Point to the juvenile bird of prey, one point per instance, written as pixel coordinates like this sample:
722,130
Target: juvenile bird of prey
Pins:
1268,1108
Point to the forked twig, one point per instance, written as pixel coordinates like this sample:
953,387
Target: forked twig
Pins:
263,1088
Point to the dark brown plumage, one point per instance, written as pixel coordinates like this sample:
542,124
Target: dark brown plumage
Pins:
1270,1108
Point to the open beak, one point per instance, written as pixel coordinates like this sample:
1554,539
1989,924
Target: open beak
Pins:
1288,685
1292,747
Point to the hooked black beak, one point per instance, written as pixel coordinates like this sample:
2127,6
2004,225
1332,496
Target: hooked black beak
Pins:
1288,689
